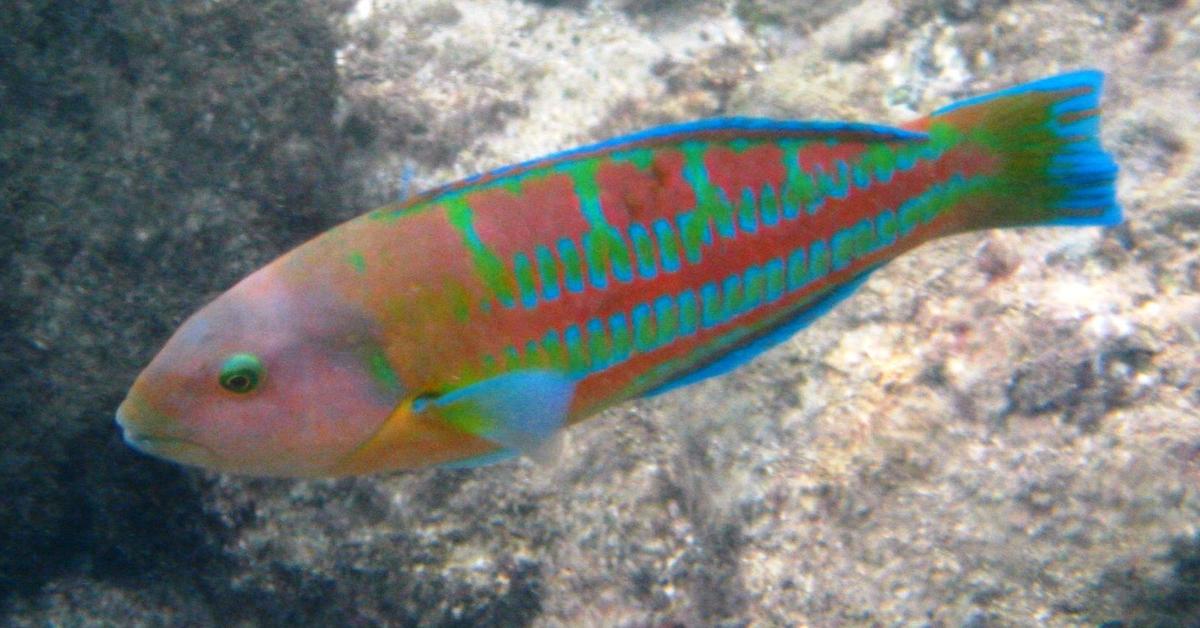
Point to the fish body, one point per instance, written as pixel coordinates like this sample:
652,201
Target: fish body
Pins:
473,322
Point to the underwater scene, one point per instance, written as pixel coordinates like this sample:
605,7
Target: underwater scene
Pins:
600,313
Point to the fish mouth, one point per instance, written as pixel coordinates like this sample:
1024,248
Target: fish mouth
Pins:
149,443
131,416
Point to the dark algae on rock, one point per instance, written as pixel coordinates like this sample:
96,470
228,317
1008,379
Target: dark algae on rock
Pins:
914,456
126,143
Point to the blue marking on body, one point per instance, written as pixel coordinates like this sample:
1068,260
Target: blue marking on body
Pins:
570,257
621,340
908,217
769,202
576,357
776,281
865,241
710,300
545,260
642,339
797,269
664,307
748,351
596,340
842,189
886,228
790,210
641,242
818,260
754,281
668,245
732,287
883,173
523,267
746,213
623,272
818,177
862,178
597,273
684,220
841,246
553,347
687,303
726,229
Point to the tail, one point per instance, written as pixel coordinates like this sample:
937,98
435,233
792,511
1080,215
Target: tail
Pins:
1050,168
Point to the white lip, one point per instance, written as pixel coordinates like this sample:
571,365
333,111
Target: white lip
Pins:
134,438
146,443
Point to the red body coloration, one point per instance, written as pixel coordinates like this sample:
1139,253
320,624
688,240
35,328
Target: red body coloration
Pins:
727,256
434,350
484,315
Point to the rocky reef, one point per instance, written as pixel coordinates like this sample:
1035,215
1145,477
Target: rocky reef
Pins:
1000,429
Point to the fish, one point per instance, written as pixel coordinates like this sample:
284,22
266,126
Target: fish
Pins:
474,322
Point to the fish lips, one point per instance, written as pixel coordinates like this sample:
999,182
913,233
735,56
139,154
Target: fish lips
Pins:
159,445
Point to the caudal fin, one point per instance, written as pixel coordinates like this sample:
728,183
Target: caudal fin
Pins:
1045,138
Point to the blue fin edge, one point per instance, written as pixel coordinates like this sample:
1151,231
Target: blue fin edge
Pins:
482,460
1093,79
525,408
817,128
1081,164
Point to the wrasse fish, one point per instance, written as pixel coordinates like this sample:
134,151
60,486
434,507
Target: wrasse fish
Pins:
473,322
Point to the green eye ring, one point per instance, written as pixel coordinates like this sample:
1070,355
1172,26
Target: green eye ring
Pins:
241,373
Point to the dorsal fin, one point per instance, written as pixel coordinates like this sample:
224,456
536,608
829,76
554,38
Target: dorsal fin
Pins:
707,129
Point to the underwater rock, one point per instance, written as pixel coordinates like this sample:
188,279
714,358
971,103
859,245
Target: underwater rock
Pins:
1000,429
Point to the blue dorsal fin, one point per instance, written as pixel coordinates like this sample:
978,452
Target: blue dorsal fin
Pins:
750,350
520,411
706,129
716,127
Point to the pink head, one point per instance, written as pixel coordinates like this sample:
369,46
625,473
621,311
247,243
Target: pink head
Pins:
265,380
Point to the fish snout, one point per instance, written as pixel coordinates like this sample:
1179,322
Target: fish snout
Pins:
130,430
151,432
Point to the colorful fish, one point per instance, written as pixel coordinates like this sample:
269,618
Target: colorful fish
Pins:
475,321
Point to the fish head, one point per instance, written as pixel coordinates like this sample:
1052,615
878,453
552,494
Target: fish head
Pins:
269,379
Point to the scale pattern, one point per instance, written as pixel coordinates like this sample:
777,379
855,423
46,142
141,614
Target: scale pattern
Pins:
474,321
631,263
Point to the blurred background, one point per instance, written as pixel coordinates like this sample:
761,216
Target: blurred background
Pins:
1000,429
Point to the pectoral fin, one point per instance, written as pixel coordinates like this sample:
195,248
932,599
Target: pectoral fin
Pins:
520,411
483,460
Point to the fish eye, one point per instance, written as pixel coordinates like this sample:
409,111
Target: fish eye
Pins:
241,373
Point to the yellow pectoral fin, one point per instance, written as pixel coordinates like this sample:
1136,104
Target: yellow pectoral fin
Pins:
410,438
375,451
519,411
